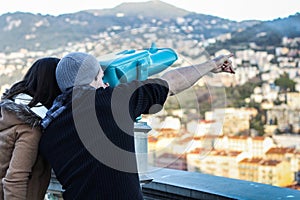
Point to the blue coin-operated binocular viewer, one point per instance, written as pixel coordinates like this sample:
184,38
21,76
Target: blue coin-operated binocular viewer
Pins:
130,65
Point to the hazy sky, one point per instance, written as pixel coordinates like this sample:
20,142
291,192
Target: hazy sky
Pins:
231,9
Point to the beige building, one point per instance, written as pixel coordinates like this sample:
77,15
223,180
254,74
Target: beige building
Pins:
204,127
248,169
168,141
290,155
193,160
164,141
293,99
295,161
254,146
216,162
259,145
268,171
234,120
275,172
172,161
207,142
279,153
285,117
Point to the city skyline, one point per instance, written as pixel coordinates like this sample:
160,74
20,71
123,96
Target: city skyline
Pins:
229,9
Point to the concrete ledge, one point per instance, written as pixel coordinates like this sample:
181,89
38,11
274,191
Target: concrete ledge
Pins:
182,185
175,184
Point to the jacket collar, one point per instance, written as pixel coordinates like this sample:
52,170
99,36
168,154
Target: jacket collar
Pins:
25,99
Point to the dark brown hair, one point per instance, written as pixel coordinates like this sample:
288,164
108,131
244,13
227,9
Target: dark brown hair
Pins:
39,82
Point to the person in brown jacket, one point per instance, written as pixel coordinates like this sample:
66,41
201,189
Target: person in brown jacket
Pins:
24,173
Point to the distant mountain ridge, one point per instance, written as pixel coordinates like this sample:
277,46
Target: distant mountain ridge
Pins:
40,32
269,32
152,8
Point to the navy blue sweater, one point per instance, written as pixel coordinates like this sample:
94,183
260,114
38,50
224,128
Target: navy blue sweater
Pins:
90,146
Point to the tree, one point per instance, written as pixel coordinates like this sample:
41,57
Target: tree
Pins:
257,124
285,83
236,95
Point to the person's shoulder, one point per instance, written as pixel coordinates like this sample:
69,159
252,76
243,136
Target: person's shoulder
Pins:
18,113
135,83
158,81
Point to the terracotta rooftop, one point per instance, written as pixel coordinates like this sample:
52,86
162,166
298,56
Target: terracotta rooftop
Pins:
280,150
238,137
152,139
295,186
171,155
205,137
270,162
258,138
203,121
197,151
252,160
225,153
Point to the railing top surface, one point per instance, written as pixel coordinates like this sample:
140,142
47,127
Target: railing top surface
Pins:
191,184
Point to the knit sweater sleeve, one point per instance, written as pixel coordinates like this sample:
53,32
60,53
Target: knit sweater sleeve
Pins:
145,97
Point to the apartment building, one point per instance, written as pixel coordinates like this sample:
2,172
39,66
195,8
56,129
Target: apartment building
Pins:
216,162
254,146
275,172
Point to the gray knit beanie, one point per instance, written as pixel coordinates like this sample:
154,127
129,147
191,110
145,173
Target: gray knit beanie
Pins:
76,69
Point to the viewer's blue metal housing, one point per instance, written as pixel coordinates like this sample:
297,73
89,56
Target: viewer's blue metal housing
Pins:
132,64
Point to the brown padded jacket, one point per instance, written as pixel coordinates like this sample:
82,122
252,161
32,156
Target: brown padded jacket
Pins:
24,173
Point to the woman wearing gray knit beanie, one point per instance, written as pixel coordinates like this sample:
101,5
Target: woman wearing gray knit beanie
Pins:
88,133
